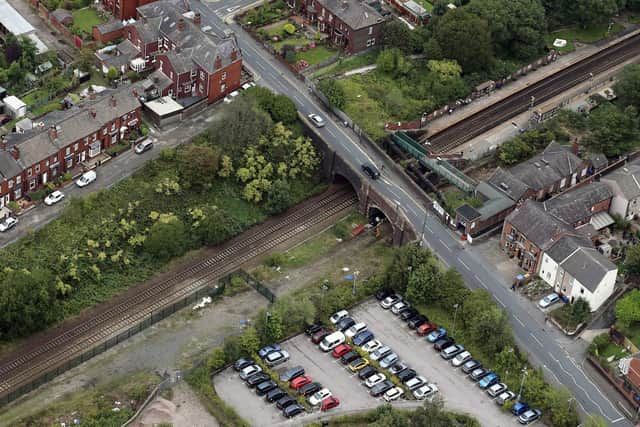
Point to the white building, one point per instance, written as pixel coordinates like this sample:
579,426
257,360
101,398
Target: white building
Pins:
576,270
14,106
12,22
625,186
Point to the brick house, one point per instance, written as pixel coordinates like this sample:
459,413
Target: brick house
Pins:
108,32
61,18
188,63
62,140
124,9
352,25
495,208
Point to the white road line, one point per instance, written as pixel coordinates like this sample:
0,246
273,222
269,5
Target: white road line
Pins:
554,374
445,245
480,281
518,320
579,369
298,99
332,134
537,340
463,264
259,65
617,420
500,301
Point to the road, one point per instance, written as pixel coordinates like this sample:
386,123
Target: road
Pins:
545,346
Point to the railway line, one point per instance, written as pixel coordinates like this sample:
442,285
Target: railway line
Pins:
542,91
45,354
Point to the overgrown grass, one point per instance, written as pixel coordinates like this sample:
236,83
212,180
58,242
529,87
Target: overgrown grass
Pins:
582,35
85,19
426,4
316,55
291,41
350,63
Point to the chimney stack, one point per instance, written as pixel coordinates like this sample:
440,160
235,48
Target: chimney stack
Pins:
53,132
3,144
197,19
92,113
234,54
112,102
15,152
217,64
181,24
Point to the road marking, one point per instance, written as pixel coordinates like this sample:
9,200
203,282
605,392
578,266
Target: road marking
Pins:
445,245
554,374
518,320
428,228
480,281
617,420
500,301
592,383
463,264
333,135
537,340
296,98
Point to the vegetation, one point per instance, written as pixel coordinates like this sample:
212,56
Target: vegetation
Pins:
17,58
84,20
454,198
266,14
570,316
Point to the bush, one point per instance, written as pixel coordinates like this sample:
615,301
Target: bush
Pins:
37,195
334,92
167,154
289,28
275,259
167,239
13,205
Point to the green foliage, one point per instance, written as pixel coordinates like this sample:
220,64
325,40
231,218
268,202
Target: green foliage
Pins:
514,151
279,197
595,421
405,259
217,360
280,107
488,325
627,86
333,91
289,28
454,199
395,34
628,308
112,73
393,62
250,341
166,239
599,343
198,165
613,131
571,315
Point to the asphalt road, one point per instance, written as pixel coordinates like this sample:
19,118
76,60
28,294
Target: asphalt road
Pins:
544,344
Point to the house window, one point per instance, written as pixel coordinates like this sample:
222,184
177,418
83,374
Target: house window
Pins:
75,147
67,151
323,12
201,88
370,30
201,75
32,184
29,172
186,87
113,126
53,159
171,75
193,73
222,87
129,35
104,131
10,183
47,162
224,75
38,168
18,180
17,194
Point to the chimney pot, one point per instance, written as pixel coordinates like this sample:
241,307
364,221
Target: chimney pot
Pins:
15,152
181,24
53,132
217,63
197,19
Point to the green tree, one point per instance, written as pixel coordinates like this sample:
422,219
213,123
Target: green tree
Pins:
28,52
166,239
535,389
232,347
334,92
216,360
590,12
424,285
613,131
249,340
628,308
198,164
393,62
283,110
562,408
632,260
279,197
627,86
216,226
514,151
112,73
395,34
405,259
273,327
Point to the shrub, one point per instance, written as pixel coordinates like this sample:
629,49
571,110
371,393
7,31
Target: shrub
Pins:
167,154
289,28
13,205
275,259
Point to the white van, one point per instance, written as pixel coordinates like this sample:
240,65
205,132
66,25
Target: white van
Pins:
86,178
331,341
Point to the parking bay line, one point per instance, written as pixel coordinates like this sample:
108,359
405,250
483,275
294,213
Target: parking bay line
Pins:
481,282
500,301
518,320
445,245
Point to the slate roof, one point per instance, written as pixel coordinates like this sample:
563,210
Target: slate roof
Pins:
355,13
627,180
539,227
575,205
61,15
109,27
468,212
566,245
588,266
493,201
8,166
598,160
507,183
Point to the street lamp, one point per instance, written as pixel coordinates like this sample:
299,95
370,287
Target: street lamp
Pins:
355,277
424,225
524,375
455,316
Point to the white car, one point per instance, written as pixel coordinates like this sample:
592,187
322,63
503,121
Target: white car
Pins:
248,85
375,379
504,397
356,329
496,389
549,300
338,316
415,382
319,396
461,358
372,346
86,179
53,198
390,301
425,391
380,352
399,306
8,223
393,394
276,358
250,370
316,120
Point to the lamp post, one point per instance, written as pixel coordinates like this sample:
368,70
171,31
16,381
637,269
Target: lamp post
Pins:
355,278
524,375
424,225
455,316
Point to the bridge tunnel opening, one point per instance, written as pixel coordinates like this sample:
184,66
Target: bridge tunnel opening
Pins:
378,220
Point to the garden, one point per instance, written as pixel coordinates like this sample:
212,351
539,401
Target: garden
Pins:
84,20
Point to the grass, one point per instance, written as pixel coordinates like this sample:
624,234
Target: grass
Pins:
292,41
632,332
316,55
364,109
582,35
426,4
563,316
612,349
85,19
350,63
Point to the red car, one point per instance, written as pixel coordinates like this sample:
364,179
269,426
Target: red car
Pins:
300,382
341,350
426,328
319,336
329,403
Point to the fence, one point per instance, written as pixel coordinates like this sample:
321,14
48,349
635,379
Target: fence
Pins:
251,281
153,317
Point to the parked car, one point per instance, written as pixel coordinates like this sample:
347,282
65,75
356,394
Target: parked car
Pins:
366,372
345,324
86,178
425,391
319,396
399,307
298,382
451,351
415,382
409,314
461,358
292,373
470,366
443,343
358,364
372,346
406,375
388,360
549,300
426,328
393,394
381,388
7,223
265,387
54,198
293,409
519,408
504,397
247,85
496,389
370,170
416,321
285,401
389,301
349,357
319,335
530,416
309,389
341,350
312,329
436,335
332,341
256,379
398,367
374,380
383,293
356,329
336,317
478,373
249,370
363,338
143,146
316,120
488,380
329,403
276,358
268,349
380,352
275,394
243,363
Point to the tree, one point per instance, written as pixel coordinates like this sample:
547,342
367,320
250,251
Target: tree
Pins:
562,407
273,328
395,34
440,7
12,49
393,62
249,340
590,12
198,164
112,73
580,310
613,131
424,282
28,53
464,37
514,151
404,261
279,197
334,92
632,260
216,226
628,308
595,421
627,87
166,239
283,110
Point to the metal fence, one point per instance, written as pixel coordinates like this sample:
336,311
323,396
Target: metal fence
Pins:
251,281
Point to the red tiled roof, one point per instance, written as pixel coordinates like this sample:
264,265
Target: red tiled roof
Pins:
634,372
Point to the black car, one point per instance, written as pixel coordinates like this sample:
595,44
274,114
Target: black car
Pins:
478,373
398,367
312,329
443,343
417,321
275,394
366,372
285,401
292,410
243,363
309,389
292,373
349,357
265,387
408,314
381,388
371,170
470,365
383,293
406,375
256,379
345,324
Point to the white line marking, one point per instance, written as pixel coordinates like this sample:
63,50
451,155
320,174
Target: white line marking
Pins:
537,340
334,135
500,301
463,264
554,374
445,245
617,420
297,99
519,321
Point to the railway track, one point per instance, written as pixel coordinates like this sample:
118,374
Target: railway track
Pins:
45,354
484,120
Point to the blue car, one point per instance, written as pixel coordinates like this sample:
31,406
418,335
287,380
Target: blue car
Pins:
519,408
362,338
488,380
264,351
436,335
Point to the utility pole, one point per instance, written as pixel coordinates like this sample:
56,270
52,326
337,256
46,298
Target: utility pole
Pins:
455,316
524,375
355,278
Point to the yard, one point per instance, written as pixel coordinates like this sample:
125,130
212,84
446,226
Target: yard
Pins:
85,19
581,35
303,41
348,63
426,4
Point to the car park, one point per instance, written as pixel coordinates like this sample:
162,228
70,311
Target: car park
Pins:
363,338
425,391
426,328
312,329
319,396
299,382
256,379
143,146
265,387
406,375
250,370
393,394
398,367
496,389
309,389
7,223
349,357
381,388
373,380
285,401
488,380
443,343
243,363
388,360
316,120
380,352
519,408
408,314
341,350
372,346
355,329
345,324
319,335
399,307
416,321
470,366
292,410
86,178
370,170
247,85
54,198
292,373
358,364
478,373
461,359
275,394
336,317
331,341
451,351
549,300
329,403
436,335
366,372
505,397
276,358
389,301
415,382
268,349
529,416
383,293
